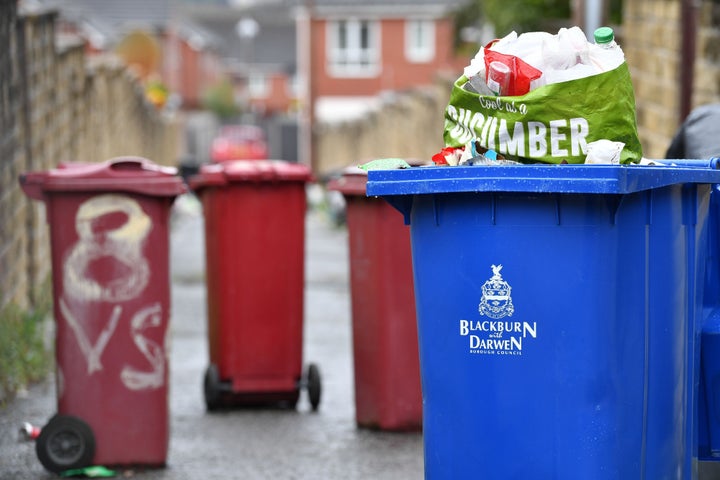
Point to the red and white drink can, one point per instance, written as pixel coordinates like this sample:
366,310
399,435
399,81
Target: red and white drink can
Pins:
498,78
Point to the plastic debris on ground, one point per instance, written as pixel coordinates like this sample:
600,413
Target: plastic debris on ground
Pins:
95,471
28,432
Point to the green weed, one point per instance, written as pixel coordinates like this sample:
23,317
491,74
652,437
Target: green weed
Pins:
24,355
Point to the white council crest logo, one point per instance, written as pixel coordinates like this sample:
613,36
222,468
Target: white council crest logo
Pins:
495,336
496,301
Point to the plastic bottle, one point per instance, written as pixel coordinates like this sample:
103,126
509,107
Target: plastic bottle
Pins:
605,37
607,54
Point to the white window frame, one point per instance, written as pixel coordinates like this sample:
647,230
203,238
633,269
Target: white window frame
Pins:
293,86
353,60
258,85
419,40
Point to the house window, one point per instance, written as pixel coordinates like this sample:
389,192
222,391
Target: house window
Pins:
419,40
353,48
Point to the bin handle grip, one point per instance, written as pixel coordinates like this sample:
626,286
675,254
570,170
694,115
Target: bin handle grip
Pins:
138,164
712,163
127,163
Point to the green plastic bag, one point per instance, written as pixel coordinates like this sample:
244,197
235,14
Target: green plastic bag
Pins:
550,124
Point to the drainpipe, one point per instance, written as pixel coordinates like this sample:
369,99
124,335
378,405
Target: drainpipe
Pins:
304,33
593,17
589,15
688,31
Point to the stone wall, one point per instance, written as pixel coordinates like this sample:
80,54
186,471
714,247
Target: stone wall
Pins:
409,125
707,58
652,41
59,106
13,207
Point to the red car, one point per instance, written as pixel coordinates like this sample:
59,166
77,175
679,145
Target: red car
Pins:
239,142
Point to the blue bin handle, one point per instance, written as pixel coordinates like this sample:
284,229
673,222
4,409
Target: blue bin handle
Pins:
712,163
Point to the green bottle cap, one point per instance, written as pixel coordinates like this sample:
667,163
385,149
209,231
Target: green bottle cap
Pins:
604,35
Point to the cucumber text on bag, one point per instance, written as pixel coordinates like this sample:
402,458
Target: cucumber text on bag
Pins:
550,124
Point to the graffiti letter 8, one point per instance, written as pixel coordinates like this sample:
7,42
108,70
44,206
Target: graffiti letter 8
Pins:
121,244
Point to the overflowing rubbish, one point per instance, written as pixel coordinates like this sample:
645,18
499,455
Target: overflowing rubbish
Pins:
385,164
521,63
604,152
471,154
543,98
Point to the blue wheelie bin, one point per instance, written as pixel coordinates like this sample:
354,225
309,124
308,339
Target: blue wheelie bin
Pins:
560,311
709,398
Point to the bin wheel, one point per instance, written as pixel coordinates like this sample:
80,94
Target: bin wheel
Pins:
212,387
314,386
65,443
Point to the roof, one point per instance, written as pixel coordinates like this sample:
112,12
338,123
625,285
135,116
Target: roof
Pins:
215,22
104,22
384,8
149,14
271,41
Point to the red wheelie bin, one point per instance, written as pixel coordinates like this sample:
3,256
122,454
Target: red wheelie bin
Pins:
255,264
385,348
110,274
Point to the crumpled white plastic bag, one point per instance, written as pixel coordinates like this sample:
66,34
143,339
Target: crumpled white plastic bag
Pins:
604,152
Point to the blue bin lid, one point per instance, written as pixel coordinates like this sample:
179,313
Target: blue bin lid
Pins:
597,179
120,174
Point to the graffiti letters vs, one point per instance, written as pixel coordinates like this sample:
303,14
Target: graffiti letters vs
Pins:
123,245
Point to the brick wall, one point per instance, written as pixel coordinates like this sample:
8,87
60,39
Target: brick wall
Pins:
57,105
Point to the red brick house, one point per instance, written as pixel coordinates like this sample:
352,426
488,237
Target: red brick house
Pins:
191,63
362,49
352,53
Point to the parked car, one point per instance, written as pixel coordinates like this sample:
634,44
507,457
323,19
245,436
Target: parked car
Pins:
239,142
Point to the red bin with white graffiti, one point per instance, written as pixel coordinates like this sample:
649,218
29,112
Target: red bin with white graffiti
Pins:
255,257
109,244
